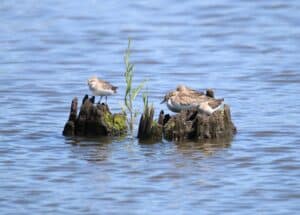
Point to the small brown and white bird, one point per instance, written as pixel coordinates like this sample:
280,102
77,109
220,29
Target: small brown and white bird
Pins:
101,88
184,98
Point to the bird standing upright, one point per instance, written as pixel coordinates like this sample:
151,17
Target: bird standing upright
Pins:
101,88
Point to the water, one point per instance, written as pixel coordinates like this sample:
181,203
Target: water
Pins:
247,51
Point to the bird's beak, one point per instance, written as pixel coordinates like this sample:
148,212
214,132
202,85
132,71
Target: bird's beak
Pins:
163,101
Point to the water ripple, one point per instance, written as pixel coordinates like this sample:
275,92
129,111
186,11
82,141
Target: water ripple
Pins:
247,52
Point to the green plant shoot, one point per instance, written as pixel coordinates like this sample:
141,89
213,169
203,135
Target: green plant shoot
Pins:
131,92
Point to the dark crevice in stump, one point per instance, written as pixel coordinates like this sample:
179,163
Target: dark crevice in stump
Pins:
94,120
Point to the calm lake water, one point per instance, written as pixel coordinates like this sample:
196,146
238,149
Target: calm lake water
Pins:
247,51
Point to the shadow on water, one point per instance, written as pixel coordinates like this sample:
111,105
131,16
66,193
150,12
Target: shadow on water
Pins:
88,141
92,149
207,147
101,148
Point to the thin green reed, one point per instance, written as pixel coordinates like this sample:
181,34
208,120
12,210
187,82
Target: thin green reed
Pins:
131,92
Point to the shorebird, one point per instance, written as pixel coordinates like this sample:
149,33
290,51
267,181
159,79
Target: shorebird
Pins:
101,88
184,98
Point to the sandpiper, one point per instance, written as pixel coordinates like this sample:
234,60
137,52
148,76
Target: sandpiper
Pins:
101,88
184,98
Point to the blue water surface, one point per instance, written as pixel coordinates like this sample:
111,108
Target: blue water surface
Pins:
247,51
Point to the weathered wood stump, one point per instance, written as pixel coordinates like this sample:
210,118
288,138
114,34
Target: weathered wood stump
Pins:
189,124
193,124
94,120
148,128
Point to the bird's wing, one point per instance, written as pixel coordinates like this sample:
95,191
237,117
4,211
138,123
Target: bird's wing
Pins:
186,99
108,86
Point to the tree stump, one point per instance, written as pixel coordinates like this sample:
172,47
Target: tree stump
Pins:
148,128
189,124
192,124
94,120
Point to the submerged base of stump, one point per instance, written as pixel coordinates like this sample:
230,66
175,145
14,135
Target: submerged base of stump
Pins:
190,124
94,120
